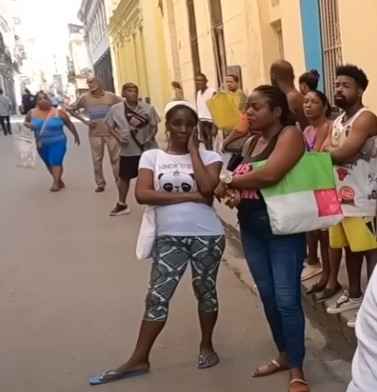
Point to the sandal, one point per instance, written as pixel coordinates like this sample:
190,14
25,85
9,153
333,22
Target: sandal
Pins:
109,375
328,293
208,360
271,368
55,188
298,385
316,288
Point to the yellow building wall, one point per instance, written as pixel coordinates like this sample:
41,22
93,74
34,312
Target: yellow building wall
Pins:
358,41
177,39
241,28
292,35
154,49
206,53
251,39
138,43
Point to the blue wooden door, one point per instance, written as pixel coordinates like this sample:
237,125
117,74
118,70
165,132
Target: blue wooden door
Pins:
311,29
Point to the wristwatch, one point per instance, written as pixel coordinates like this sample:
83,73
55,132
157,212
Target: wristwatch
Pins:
226,177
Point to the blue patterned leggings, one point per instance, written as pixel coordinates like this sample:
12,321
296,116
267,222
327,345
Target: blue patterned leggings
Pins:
171,257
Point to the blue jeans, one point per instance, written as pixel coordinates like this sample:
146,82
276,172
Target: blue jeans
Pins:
276,263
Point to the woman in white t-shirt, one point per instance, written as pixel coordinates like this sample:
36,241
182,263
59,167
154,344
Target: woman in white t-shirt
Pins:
180,183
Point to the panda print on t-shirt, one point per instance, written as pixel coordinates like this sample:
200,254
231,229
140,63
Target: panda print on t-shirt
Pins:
177,181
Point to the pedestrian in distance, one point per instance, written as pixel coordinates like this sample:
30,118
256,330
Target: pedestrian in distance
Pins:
179,182
5,112
48,124
207,127
28,101
283,76
275,261
308,81
96,104
134,123
178,91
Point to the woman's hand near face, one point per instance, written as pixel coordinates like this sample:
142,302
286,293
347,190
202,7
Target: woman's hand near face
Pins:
193,142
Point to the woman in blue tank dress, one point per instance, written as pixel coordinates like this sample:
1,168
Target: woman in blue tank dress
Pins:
48,123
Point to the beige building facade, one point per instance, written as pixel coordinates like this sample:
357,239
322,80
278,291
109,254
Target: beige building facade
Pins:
157,41
138,45
231,35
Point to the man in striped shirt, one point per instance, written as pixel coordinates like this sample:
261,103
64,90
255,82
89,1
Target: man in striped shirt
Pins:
96,104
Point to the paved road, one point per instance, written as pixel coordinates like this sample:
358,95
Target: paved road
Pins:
72,296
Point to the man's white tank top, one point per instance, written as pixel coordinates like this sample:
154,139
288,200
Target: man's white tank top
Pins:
357,180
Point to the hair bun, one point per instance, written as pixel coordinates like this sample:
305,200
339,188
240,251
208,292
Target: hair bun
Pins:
315,73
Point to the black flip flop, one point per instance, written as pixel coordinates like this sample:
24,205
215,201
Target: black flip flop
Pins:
316,288
328,293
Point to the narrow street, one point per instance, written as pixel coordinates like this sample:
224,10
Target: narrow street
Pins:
73,294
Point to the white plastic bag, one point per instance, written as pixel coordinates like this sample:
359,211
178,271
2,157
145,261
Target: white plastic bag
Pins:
147,234
26,149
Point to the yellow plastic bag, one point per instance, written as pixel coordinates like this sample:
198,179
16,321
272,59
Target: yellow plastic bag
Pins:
225,113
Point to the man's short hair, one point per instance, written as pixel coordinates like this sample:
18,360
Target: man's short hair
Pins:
202,76
130,86
354,72
234,77
283,70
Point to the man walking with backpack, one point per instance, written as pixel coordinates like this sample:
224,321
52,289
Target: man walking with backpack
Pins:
135,124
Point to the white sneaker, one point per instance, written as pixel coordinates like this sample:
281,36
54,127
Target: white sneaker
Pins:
344,303
352,323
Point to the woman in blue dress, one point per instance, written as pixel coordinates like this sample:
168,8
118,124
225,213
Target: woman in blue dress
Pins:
48,123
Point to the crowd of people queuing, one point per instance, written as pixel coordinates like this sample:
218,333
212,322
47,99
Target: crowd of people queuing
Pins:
278,124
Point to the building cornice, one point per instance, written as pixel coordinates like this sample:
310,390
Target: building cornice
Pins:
126,19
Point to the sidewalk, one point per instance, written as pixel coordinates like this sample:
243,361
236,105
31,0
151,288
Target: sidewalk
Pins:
339,336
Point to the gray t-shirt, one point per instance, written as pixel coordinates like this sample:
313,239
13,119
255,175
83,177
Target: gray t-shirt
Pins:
5,106
116,119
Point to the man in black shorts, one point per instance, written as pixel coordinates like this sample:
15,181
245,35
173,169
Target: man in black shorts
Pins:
135,125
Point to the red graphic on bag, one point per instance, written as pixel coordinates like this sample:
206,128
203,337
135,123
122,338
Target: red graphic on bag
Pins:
347,195
327,202
342,173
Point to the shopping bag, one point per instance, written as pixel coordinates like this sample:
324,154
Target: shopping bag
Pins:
224,111
25,146
147,234
306,198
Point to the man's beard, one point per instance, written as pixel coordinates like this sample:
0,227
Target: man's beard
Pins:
341,102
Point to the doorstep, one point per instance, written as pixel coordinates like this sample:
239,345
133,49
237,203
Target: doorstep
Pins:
339,336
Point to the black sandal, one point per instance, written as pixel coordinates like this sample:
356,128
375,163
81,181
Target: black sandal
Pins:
208,360
328,293
316,288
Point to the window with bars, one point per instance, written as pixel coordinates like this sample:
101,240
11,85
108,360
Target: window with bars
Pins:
331,43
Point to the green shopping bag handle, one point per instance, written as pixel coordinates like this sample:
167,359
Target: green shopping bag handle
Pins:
314,171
